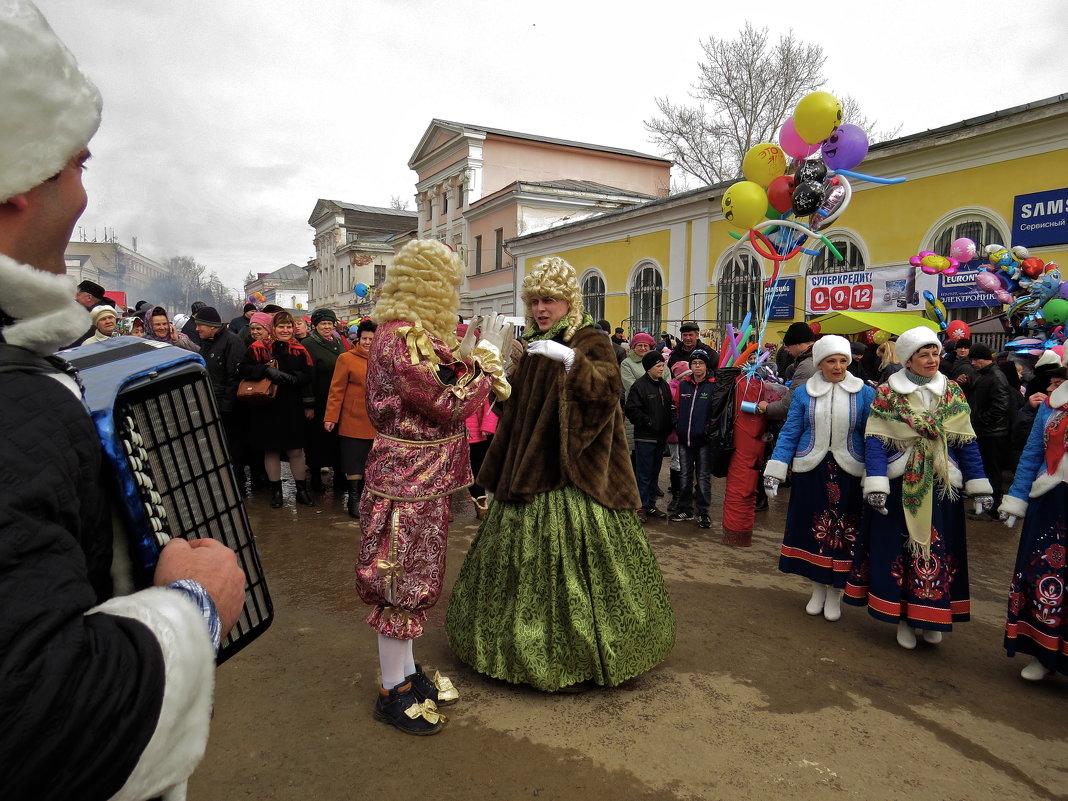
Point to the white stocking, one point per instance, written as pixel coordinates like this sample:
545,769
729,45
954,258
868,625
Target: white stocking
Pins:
409,659
392,654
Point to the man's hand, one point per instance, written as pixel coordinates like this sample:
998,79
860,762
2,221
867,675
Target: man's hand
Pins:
309,414
211,565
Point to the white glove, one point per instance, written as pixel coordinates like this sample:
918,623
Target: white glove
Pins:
553,350
771,486
497,331
983,503
467,344
877,501
1008,520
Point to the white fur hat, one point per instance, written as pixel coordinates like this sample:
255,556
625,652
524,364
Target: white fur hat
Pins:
50,110
829,345
914,339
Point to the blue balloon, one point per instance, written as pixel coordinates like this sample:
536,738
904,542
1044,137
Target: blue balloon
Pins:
361,290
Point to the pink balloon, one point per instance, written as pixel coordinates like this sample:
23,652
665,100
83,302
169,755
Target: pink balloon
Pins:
1059,350
963,249
792,144
1003,296
987,281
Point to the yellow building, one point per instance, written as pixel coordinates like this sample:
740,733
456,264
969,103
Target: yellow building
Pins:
1001,178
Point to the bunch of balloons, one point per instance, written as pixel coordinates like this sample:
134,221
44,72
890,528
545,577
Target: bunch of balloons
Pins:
805,175
257,297
1030,287
874,336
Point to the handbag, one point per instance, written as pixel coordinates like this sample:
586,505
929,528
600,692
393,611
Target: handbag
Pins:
258,393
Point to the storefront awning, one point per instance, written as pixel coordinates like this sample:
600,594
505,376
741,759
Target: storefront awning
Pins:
853,322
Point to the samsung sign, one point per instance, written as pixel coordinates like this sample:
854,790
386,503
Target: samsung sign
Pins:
1040,218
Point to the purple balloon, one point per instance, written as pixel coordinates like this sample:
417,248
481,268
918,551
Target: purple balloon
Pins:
845,148
1063,290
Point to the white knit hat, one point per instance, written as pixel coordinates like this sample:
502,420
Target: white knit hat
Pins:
914,339
49,110
829,345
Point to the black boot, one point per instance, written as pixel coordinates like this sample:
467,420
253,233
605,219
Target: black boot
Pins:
303,497
352,506
676,483
276,494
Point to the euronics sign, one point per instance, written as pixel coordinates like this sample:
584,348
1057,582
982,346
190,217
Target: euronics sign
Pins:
1040,218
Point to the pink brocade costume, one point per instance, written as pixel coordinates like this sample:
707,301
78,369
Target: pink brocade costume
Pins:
419,457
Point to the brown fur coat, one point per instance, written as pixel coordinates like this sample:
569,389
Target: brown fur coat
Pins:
562,428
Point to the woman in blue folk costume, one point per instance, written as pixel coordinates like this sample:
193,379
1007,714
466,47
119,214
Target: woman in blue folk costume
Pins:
1036,623
911,562
823,438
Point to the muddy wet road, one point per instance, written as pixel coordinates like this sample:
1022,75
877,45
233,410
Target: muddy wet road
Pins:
758,700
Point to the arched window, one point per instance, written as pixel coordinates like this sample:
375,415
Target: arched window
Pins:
646,299
983,230
739,289
593,294
827,262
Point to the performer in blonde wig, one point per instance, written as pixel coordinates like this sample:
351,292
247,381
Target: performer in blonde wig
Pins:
421,386
560,587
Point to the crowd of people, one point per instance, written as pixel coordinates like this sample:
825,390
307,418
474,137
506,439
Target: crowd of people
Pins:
560,589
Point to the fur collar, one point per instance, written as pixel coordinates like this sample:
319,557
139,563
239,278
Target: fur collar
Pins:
816,386
46,315
899,382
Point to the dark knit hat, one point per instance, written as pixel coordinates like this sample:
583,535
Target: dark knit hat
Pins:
249,307
208,315
92,288
798,334
980,351
963,343
858,348
689,326
321,314
272,308
197,306
701,354
651,360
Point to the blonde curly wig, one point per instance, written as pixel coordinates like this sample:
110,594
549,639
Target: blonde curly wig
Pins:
423,285
552,277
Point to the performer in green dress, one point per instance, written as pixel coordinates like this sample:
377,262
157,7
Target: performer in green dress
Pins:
560,587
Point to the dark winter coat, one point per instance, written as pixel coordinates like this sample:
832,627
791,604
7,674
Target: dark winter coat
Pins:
991,403
324,355
561,428
221,356
681,354
650,409
695,405
279,425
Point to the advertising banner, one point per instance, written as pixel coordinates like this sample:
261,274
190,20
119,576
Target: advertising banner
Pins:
1040,218
888,289
783,292
959,291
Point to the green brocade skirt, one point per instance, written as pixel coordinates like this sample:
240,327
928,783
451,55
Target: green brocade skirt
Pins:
560,591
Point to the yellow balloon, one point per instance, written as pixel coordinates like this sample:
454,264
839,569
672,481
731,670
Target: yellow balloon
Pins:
880,336
764,163
744,204
816,116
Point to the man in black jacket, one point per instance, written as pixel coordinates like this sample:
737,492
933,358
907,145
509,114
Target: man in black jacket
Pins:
222,350
990,401
649,407
99,696
689,341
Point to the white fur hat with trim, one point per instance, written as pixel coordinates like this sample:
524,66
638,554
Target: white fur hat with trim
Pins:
50,109
914,339
829,345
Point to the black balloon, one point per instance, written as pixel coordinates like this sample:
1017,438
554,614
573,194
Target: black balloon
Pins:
807,198
814,170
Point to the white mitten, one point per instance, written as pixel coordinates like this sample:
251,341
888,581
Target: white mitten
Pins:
877,501
771,486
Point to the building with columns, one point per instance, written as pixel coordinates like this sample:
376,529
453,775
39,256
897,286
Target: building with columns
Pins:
478,187
354,246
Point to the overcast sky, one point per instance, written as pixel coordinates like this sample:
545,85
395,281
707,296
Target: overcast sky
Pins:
225,120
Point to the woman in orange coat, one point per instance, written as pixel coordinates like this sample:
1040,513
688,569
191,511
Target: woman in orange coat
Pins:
346,408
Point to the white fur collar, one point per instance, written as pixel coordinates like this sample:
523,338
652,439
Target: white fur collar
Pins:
899,382
1059,396
817,386
47,317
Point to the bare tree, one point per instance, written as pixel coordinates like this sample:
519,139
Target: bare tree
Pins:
397,203
747,87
